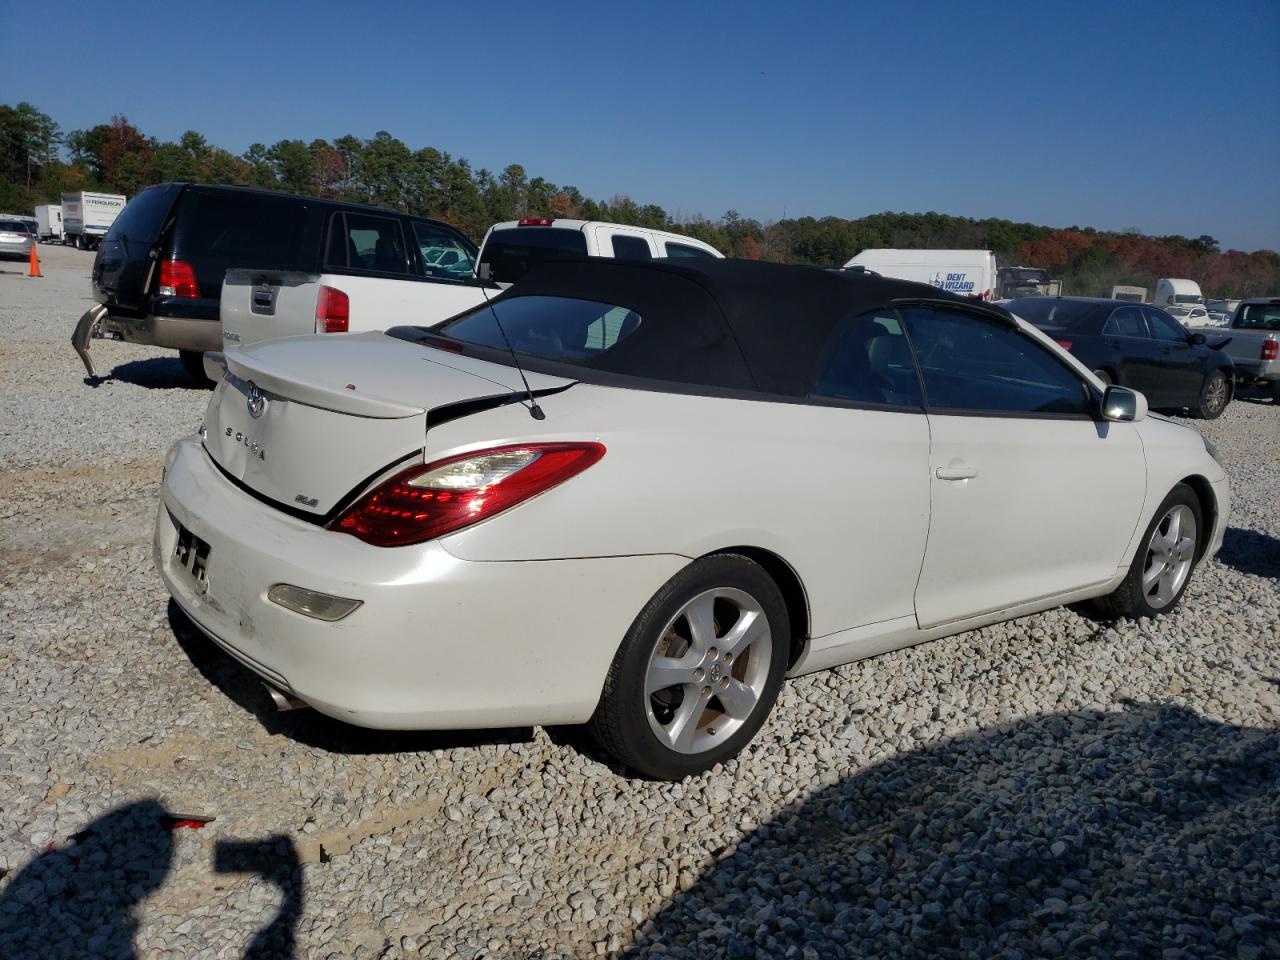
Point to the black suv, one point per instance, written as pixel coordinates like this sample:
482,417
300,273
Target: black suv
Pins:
158,274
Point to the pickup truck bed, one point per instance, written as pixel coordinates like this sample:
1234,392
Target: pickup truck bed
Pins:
261,305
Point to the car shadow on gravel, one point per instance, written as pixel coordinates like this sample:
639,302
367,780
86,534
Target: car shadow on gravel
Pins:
79,900
1146,832
1251,552
154,373
310,727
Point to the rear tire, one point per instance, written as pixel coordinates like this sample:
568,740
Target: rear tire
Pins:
718,628
193,363
1214,396
1165,560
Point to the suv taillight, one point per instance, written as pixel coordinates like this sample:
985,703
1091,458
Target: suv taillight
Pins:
1270,349
178,279
333,311
442,497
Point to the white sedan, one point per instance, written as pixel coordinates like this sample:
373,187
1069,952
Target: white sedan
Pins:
640,494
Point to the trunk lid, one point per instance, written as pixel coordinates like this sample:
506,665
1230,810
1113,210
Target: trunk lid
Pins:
305,422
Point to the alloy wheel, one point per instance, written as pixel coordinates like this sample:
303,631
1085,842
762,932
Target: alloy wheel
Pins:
1171,553
708,670
1215,395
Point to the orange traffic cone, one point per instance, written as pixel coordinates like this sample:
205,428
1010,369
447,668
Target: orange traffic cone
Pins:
33,269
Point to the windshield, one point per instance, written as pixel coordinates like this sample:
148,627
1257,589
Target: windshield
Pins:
1188,298
1050,313
554,328
510,253
1178,311
1259,316
13,226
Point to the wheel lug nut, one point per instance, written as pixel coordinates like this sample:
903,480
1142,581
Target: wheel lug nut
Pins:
728,657
698,674
712,653
706,691
724,683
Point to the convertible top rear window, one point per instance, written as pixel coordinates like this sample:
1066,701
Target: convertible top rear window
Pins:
555,328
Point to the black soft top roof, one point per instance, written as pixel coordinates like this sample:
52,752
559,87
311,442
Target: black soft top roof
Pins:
731,324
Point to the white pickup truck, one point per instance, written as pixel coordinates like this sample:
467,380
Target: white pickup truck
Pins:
268,304
360,283
510,248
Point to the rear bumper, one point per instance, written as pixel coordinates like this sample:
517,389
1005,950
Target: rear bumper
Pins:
438,643
1257,371
176,333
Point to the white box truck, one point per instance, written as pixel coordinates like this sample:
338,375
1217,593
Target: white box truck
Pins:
87,216
1172,292
969,273
49,219
1124,292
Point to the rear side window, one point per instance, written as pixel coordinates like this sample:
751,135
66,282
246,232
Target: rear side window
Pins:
869,361
554,328
975,365
509,254
630,248
684,250
362,241
143,216
445,254
1126,322
217,230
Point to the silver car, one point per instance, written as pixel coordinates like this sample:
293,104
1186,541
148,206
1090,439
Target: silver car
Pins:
16,240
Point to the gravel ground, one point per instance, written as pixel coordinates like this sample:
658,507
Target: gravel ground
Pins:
1047,787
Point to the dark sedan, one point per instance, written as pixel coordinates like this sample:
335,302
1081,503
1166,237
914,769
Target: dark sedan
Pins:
1139,346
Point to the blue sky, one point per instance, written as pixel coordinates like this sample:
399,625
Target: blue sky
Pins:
1164,116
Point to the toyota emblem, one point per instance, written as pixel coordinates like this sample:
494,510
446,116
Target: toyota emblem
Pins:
257,402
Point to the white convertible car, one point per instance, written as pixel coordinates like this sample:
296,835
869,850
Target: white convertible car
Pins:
640,493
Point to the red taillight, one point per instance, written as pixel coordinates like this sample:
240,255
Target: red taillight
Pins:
442,497
333,311
1270,349
178,279
535,222
1064,344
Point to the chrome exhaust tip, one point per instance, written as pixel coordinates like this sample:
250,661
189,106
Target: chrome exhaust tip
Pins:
281,700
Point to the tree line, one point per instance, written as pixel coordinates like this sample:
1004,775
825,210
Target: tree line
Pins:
38,162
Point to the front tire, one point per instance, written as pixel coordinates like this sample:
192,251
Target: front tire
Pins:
1104,377
1214,396
698,672
1165,560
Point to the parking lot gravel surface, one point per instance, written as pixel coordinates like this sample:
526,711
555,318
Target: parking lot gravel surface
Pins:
1052,786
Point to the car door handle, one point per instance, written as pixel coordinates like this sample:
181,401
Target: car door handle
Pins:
956,470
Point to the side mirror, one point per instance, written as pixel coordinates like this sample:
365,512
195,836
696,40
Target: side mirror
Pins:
484,271
1122,405
1199,339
